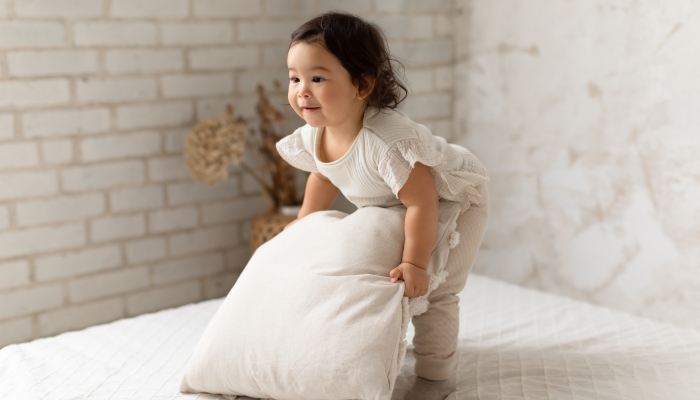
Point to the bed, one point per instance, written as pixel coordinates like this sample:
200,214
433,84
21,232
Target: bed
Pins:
514,343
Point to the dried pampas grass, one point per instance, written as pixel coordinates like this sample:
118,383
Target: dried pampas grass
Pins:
215,143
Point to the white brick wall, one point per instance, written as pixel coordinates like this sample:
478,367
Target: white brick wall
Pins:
275,56
146,61
265,32
18,155
175,140
150,8
20,302
125,145
146,250
406,27
232,211
138,198
4,219
154,115
173,219
100,176
224,58
168,168
444,78
57,151
27,184
15,331
43,92
355,7
76,263
199,33
120,227
250,185
227,9
426,52
192,192
219,286
248,80
197,85
164,297
99,218
109,284
60,209
421,80
245,106
286,8
187,268
433,105
38,240
15,273
7,126
116,90
203,240
114,33
22,34
65,122
59,8
51,62
237,258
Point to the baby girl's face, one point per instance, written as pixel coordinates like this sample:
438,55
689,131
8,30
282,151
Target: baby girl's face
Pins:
320,88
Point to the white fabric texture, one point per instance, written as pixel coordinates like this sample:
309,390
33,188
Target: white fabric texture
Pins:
378,162
326,279
514,343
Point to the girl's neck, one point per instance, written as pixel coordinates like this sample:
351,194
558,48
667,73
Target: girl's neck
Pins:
348,129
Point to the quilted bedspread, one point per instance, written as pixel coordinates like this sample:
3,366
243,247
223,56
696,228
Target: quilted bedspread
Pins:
514,343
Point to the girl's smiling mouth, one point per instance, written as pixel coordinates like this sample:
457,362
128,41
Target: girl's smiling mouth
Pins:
310,109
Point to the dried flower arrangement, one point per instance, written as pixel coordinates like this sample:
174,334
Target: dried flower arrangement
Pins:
217,142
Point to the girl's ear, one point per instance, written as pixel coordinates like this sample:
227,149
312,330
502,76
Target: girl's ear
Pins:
366,87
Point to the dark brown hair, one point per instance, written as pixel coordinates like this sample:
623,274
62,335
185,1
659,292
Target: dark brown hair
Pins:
362,50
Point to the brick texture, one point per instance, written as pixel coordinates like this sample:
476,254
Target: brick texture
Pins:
59,8
39,124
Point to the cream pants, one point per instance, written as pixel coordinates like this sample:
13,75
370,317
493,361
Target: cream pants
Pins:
435,340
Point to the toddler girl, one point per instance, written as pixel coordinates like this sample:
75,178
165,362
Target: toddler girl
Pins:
343,84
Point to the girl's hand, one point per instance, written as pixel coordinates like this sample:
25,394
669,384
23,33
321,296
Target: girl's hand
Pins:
416,279
290,224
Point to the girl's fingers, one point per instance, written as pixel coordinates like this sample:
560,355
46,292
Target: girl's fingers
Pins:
395,274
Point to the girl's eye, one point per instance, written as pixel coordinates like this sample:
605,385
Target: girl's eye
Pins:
316,79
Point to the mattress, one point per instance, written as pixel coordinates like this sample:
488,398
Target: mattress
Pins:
514,343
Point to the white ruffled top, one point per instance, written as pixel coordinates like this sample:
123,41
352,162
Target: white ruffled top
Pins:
378,162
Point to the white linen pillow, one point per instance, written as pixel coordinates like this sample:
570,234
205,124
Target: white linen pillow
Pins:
314,314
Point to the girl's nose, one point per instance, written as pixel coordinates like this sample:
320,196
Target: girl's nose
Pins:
304,91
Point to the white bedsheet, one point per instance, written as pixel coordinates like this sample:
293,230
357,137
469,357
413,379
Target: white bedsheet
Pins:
514,343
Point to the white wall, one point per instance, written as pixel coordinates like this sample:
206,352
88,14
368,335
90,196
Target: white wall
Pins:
587,114
99,219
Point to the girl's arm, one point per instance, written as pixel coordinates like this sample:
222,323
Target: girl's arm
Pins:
420,197
319,195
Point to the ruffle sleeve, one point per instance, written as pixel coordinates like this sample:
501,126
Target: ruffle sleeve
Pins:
291,149
458,185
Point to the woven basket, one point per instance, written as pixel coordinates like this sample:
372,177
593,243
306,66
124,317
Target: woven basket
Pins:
266,226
